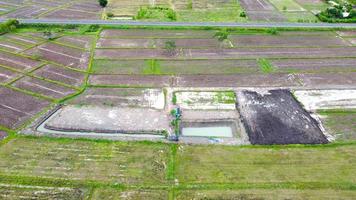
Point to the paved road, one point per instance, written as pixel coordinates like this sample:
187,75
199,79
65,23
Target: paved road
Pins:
202,24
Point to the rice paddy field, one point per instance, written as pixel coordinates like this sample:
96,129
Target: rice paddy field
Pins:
184,10
122,66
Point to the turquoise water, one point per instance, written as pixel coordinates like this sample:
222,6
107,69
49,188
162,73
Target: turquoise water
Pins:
217,131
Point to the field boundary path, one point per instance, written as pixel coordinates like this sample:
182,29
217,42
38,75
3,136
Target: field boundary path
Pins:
190,24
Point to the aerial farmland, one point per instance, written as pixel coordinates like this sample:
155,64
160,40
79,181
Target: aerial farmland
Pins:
128,111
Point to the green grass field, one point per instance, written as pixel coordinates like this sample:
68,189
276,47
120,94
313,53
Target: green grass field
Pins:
143,170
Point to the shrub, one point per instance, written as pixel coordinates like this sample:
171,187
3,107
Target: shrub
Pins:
171,14
222,35
243,14
103,3
110,14
9,26
272,31
170,47
89,28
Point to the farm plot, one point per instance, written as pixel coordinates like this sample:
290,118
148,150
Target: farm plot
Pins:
315,65
60,74
17,62
62,55
10,46
16,107
131,80
177,67
287,41
228,164
33,192
71,14
122,97
43,87
25,40
7,75
129,163
26,12
314,6
111,194
261,10
275,117
237,80
270,194
237,53
328,80
86,6
146,33
107,119
339,123
82,41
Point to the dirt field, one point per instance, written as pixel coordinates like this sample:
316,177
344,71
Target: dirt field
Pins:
32,9
16,107
17,62
111,194
261,10
63,55
44,88
31,192
108,119
61,74
275,117
122,97
6,75
3,135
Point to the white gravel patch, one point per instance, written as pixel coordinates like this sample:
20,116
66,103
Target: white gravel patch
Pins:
193,100
326,99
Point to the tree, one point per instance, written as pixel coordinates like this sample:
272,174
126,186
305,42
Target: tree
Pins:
49,35
103,3
170,47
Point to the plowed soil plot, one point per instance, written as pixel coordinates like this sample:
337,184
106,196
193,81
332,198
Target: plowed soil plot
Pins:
174,66
60,74
6,75
329,80
131,80
3,135
43,87
87,6
238,80
261,10
153,43
16,107
22,39
238,53
126,97
27,12
275,117
142,33
315,65
10,46
17,62
36,192
287,41
349,33
82,41
71,14
63,55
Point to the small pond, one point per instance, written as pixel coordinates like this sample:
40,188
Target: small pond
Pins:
208,129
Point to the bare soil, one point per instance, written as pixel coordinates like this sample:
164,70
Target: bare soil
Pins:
6,75
61,74
43,87
275,117
142,33
17,62
17,107
71,14
131,80
3,135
